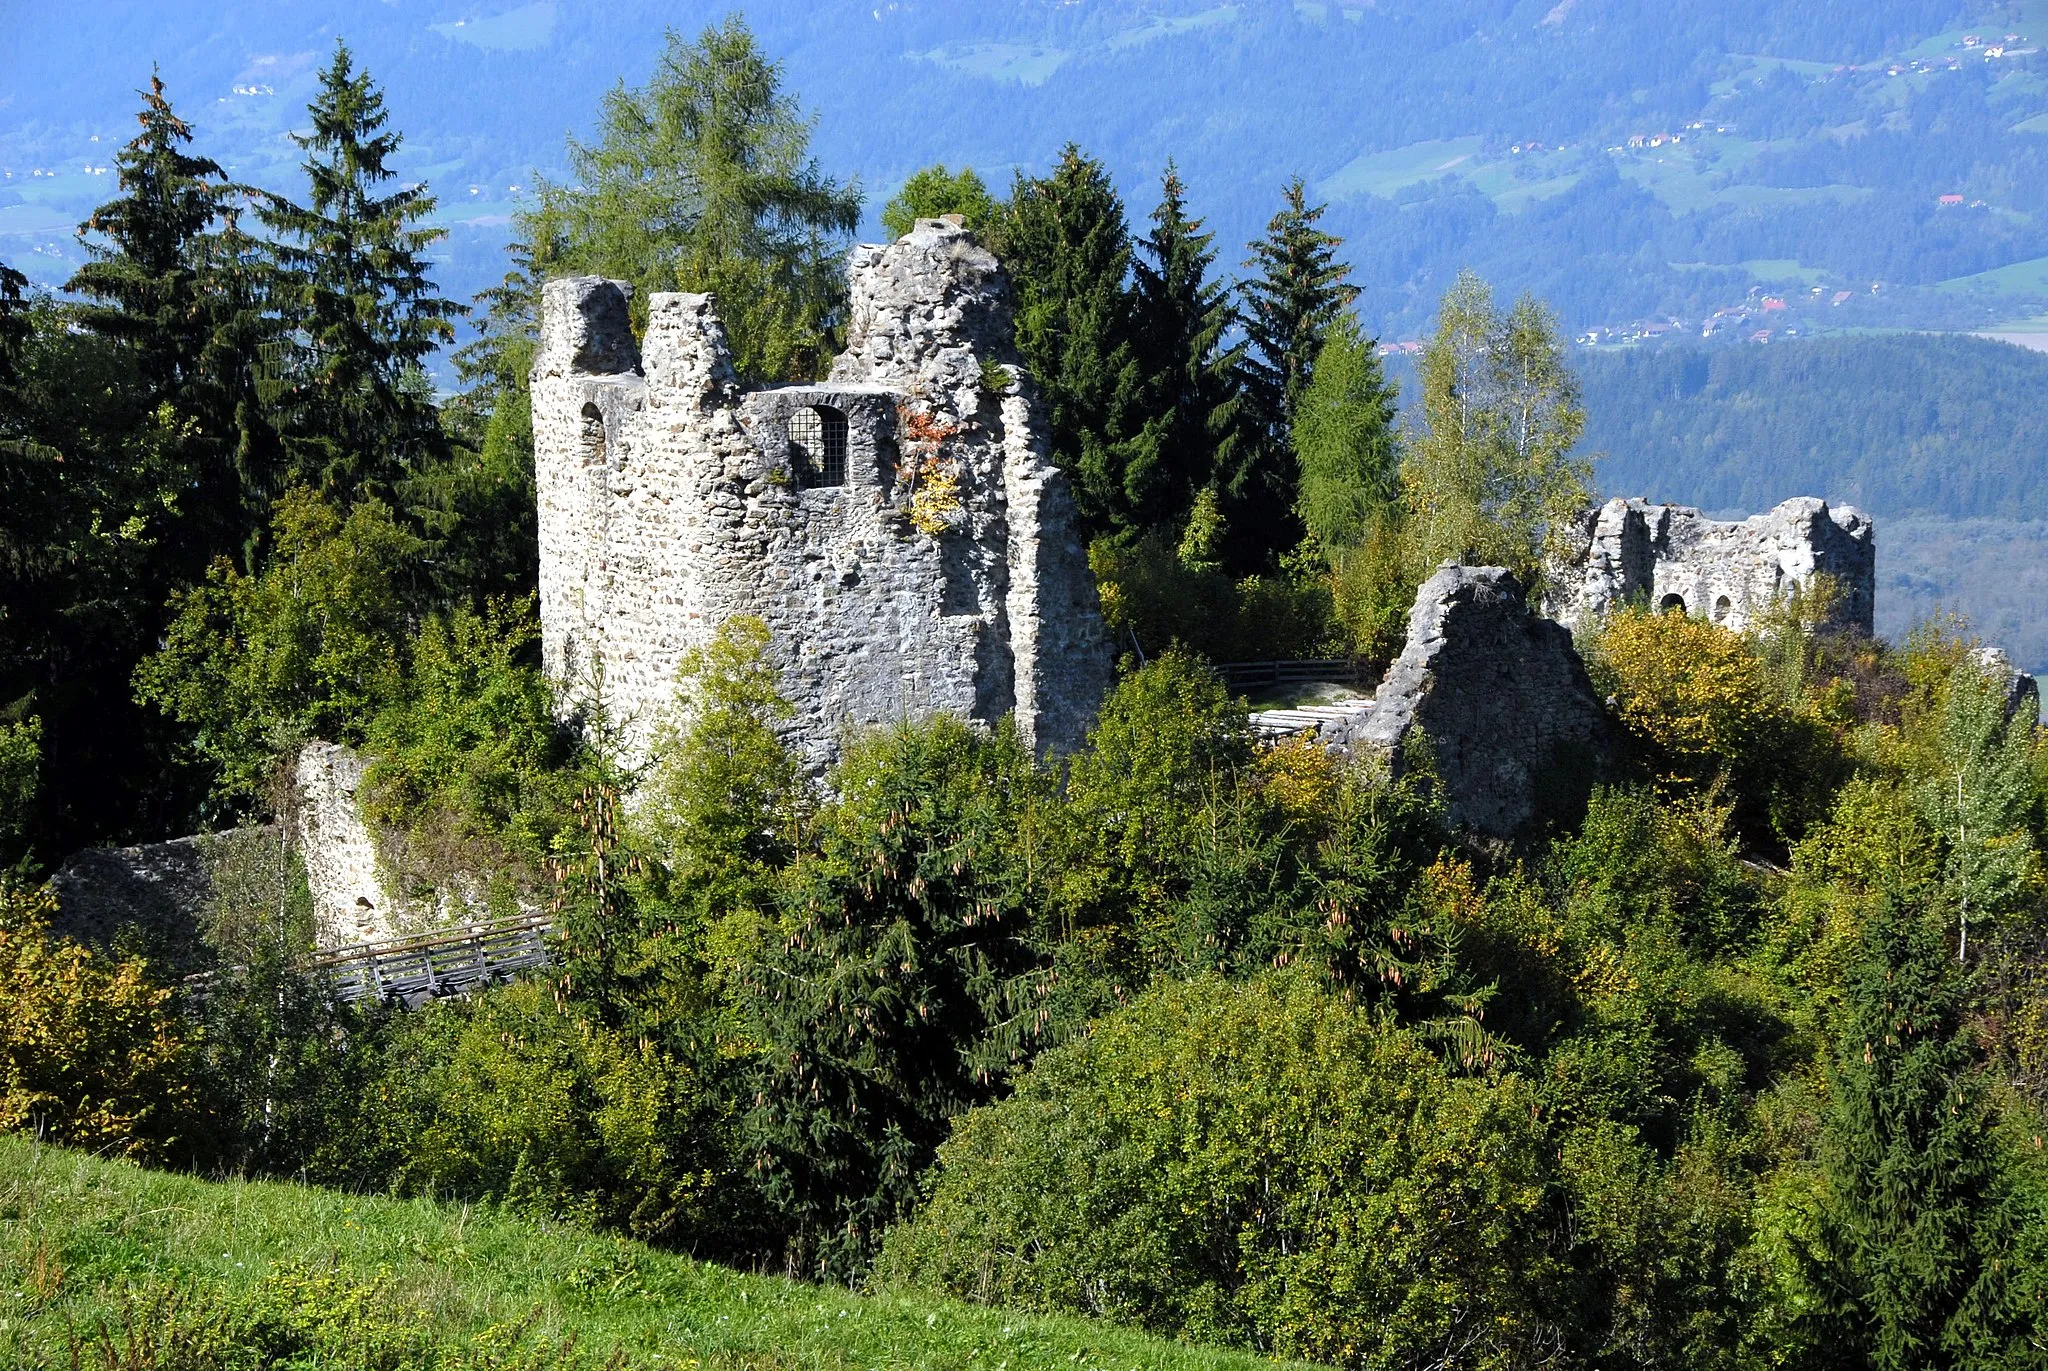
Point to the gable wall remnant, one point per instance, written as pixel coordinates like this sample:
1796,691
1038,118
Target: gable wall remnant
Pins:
1500,700
944,573
1673,556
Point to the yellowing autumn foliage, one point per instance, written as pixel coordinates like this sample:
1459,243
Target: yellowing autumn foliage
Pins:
91,1053
1697,696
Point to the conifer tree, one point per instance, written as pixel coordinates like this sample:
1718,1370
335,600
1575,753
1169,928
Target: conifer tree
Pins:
173,283
476,505
1067,245
1189,402
354,290
703,180
143,269
1913,1254
903,988
1290,304
1344,439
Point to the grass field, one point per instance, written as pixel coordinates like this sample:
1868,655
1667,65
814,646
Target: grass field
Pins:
75,1232
2021,278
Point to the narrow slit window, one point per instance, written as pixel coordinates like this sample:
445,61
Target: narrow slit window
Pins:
817,445
593,436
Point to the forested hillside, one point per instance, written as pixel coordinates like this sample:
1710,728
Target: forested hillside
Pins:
1439,130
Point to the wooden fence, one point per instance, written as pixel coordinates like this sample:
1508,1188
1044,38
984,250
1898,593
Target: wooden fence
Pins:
1246,677
412,971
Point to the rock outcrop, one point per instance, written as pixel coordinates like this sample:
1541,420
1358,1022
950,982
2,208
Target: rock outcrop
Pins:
1500,700
900,527
1674,557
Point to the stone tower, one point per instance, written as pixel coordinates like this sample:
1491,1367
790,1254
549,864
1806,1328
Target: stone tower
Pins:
900,526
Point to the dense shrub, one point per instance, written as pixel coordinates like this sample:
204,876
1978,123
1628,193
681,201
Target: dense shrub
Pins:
92,1053
1259,1163
513,1098
310,647
1704,708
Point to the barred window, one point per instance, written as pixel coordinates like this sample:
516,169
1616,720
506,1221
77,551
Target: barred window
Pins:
817,445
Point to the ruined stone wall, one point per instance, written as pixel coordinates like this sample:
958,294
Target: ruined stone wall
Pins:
1500,699
1674,556
671,501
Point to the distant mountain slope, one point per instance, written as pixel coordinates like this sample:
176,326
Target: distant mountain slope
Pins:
1446,132
1901,424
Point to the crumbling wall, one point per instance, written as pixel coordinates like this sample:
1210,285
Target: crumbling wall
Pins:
1673,556
671,501
1500,700
342,870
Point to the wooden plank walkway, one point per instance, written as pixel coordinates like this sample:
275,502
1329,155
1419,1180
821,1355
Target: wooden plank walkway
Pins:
413,971
1335,717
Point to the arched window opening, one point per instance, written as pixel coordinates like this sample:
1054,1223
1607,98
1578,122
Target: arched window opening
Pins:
592,436
1670,603
1721,608
817,445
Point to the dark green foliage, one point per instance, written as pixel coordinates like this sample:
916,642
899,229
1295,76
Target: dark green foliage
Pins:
1181,317
310,647
357,408
476,504
179,289
1912,1260
1258,1164
904,987
14,329
1067,245
1290,304
936,191
472,768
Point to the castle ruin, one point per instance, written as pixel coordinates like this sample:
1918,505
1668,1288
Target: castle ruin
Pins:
900,526
1674,557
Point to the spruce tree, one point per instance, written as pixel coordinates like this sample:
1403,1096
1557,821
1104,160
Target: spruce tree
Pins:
902,988
1189,401
143,270
354,290
1914,1250
1290,304
177,288
1068,249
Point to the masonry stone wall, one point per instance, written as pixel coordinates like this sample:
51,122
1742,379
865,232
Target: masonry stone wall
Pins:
1674,556
1499,697
672,500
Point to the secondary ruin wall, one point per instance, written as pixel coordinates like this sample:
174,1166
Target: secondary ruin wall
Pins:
1674,557
1498,697
900,527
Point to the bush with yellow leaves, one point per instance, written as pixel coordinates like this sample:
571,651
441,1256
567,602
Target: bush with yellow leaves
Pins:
92,1054
1705,710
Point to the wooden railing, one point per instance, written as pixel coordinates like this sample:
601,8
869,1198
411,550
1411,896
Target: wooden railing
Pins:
1245,677
428,966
